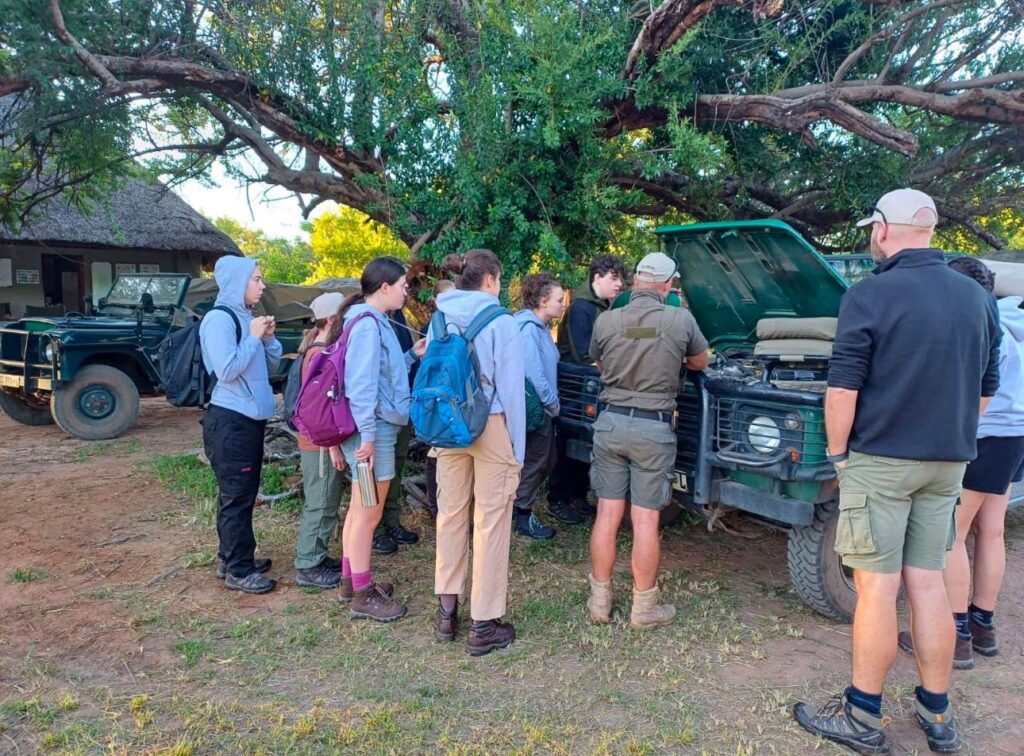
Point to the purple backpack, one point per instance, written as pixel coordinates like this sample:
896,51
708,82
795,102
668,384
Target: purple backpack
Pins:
322,413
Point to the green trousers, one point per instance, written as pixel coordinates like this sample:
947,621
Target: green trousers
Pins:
393,504
321,509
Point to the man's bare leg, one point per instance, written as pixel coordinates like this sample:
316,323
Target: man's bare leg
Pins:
874,628
603,536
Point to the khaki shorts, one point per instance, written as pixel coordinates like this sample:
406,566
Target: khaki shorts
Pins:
896,512
633,456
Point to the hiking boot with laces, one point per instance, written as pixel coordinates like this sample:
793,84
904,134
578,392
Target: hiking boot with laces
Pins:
447,625
983,637
489,635
345,592
374,603
382,544
940,729
963,657
840,721
564,512
532,527
331,562
401,535
254,583
262,565
321,576
647,613
584,508
599,605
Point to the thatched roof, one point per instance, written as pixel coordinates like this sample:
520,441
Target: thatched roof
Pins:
139,215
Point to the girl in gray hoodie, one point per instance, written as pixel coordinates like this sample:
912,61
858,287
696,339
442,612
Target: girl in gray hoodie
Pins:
486,473
985,496
377,388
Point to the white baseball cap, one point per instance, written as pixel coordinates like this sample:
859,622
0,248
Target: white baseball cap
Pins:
326,305
903,207
657,267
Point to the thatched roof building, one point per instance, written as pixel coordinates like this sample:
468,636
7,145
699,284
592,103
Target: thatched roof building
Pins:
64,254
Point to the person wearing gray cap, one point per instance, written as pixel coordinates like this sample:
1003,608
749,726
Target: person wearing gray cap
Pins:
321,471
640,350
915,363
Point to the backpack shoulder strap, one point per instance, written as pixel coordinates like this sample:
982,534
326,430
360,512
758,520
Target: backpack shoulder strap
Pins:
483,319
234,319
438,326
342,343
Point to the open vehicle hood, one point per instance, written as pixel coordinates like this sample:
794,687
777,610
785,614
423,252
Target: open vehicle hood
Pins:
735,273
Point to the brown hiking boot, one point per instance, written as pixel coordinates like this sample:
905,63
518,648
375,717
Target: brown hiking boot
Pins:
984,638
488,636
345,590
373,603
647,613
963,658
447,624
599,605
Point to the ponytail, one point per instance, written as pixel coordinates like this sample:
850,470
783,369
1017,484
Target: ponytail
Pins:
471,268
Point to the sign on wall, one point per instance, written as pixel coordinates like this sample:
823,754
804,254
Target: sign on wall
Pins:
149,268
27,277
120,268
6,274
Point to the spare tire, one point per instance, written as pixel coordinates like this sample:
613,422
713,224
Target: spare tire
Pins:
25,410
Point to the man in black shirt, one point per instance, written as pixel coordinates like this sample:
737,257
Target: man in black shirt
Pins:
914,365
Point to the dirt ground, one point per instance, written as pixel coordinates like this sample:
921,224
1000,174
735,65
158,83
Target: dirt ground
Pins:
115,636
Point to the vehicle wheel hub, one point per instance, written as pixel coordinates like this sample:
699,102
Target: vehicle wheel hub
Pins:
97,402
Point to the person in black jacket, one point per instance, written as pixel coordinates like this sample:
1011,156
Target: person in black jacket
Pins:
570,479
915,363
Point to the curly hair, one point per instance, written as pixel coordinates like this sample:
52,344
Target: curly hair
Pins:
604,264
976,269
535,289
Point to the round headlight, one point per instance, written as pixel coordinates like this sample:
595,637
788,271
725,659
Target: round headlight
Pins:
764,434
48,351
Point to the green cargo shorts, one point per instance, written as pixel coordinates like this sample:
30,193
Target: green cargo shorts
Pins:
634,456
896,512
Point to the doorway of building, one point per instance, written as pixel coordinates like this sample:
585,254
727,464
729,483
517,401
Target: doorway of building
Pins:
63,279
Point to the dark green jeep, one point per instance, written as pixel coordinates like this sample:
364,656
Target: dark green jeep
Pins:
86,372
751,432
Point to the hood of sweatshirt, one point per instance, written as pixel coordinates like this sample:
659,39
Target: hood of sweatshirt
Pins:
585,292
460,307
1011,317
232,275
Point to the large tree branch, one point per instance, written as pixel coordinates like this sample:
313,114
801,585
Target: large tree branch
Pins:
13,84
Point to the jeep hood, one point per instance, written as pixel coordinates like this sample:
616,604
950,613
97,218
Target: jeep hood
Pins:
735,273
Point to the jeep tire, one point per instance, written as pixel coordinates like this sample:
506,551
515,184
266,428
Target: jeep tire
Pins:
102,402
815,569
25,410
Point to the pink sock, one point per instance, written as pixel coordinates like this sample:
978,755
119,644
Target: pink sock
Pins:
360,580
346,567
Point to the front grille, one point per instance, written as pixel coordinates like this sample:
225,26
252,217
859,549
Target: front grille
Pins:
578,389
688,419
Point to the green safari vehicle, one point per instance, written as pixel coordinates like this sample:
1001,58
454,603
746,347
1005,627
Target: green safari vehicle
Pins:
86,372
750,428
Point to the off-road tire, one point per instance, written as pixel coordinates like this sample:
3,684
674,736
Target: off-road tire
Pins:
816,570
24,410
102,402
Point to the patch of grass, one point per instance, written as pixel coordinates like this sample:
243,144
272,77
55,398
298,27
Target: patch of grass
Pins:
24,574
203,558
122,448
187,475
192,650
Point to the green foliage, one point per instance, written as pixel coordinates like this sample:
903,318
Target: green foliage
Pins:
281,261
498,124
343,241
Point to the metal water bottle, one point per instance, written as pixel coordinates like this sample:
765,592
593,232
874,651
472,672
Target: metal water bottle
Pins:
367,483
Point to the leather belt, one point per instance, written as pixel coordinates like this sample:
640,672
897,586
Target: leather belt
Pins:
664,417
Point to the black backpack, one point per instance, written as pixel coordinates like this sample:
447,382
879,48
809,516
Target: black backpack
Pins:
293,384
183,376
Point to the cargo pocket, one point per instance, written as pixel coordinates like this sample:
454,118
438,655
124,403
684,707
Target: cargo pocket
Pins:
951,535
853,530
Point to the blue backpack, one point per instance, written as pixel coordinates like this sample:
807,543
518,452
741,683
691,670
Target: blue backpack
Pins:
449,407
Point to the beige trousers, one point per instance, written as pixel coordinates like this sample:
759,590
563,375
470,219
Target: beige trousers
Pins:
485,473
